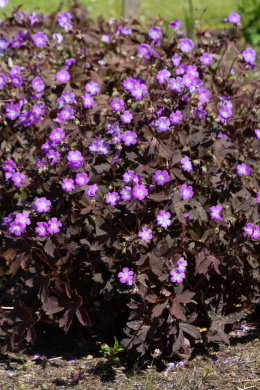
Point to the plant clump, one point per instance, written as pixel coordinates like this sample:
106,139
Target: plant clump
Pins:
129,180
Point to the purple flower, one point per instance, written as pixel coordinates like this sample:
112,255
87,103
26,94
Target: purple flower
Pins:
225,113
82,179
203,95
17,43
18,179
8,220
176,85
176,117
68,185
88,100
145,50
125,275
257,132
128,176
186,164
23,218
54,225
3,3
3,80
75,159
9,166
216,212
124,30
16,80
126,194
164,219
69,62
129,138
176,59
113,198
256,232
181,70
64,20
53,156
140,192
163,76
249,228
57,135
146,234
249,55
206,59
62,76
37,110
99,146
161,177
176,24
137,179
37,84
42,229
234,18
17,228
177,276
258,197
129,84
186,192
65,115
242,169
92,88
40,39
117,105
66,98
163,124
139,90
188,80
41,205
155,32
47,146
199,113
91,191
182,264
126,117
186,45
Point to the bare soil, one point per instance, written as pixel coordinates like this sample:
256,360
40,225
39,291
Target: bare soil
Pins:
209,366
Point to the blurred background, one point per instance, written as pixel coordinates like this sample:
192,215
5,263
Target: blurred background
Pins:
209,13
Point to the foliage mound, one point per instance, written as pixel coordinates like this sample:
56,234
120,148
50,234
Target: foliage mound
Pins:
129,182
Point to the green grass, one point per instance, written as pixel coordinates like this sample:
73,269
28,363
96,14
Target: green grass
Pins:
168,9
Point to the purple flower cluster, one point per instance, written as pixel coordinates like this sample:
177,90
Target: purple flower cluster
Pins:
99,146
178,274
9,167
137,88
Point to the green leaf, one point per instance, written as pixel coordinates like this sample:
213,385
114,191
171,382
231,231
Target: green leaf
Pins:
116,344
116,360
206,373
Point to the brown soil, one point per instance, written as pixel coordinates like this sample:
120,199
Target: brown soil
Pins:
236,366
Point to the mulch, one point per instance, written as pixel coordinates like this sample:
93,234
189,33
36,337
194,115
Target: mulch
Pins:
209,367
